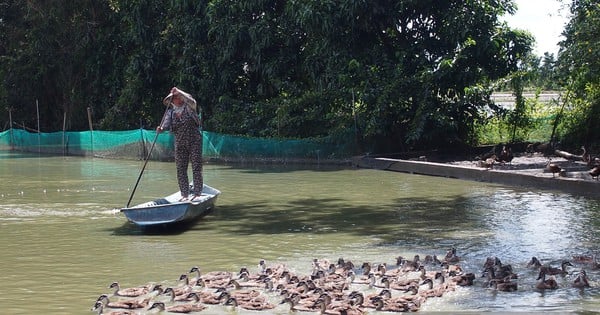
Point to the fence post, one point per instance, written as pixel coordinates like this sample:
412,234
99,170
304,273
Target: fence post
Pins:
37,109
89,112
142,141
64,147
12,136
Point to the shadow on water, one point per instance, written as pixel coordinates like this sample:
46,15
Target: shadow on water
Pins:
514,228
26,155
257,168
130,229
415,221
328,215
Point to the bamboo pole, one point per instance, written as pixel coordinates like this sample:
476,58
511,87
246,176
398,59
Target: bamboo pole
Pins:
25,127
12,136
355,123
37,109
147,158
64,131
89,112
142,141
559,117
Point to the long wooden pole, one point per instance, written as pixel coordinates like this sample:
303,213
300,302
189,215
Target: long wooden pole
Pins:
146,160
63,132
558,118
37,107
89,112
12,137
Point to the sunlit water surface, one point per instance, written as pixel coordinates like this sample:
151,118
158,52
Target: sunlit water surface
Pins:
63,240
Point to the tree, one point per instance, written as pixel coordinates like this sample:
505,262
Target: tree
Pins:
386,75
400,73
53,57
579,63
548,78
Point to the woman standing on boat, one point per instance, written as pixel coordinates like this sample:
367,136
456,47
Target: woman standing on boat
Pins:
183,121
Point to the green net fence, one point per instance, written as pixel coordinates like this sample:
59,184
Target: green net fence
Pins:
135,144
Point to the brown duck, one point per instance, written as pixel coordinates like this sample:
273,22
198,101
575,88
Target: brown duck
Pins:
594,172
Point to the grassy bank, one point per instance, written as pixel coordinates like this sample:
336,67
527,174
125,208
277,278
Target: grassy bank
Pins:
540,113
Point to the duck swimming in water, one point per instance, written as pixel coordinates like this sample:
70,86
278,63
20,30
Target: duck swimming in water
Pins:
373,282
301,291
211,276
451,256
340,308
390,306
174,297
206,297
534,263
240,295
99,307
584,259
544,283
130,292
409,265
505,285
254,305
451,267
185,288
431,291
358,298
129,304
344,265
179,308
462,280
360,280
246,284
431,260
491,261
549,270
426,274
497,269
412,297
296,304
398,284
595,172
582,280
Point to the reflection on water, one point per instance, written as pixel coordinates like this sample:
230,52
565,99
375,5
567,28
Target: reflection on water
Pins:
64,240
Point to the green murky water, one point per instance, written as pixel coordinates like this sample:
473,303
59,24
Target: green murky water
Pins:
63,240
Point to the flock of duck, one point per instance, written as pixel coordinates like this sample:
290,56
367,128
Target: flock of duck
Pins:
505,156
332,288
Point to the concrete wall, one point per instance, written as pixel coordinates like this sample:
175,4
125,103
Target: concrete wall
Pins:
536,179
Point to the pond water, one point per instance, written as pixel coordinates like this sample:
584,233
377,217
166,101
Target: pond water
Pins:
63,240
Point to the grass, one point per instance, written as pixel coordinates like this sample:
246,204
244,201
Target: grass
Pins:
541,115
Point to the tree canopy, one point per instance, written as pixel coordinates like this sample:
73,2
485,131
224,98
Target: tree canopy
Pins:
388,75
579,67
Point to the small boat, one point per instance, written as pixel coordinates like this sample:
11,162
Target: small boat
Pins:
169,210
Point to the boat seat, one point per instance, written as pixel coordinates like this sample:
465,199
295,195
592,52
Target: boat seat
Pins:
161,201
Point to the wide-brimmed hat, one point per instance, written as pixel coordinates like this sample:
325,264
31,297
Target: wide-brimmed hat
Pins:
187,98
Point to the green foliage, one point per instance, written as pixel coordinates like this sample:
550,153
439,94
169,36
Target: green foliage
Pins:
548,77
383,75
579,64
537,120
579,125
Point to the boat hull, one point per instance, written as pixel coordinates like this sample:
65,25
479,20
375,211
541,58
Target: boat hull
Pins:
170,210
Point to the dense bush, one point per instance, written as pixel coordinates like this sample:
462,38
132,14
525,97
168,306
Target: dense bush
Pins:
385,75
